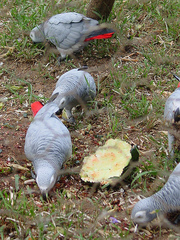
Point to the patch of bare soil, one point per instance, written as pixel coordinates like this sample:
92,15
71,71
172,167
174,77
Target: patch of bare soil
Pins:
92,130
16,116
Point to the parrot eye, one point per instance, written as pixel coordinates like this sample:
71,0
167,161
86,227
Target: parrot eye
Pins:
140,216
62,102
32,35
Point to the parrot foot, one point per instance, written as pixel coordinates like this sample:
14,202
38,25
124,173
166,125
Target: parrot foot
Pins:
33,174
70,120
61,58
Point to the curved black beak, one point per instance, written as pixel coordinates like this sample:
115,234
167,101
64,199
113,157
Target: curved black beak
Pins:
44,196
59,112
177,115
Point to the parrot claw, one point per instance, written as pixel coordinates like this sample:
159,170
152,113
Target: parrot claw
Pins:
58,179
59,61
33,174
61,58
70,120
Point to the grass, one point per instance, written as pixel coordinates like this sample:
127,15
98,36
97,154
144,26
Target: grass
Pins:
65,218
22,90
133,77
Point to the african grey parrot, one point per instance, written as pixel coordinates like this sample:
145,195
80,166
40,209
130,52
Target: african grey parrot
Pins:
69,32
75,87
172,114
48,145
167,200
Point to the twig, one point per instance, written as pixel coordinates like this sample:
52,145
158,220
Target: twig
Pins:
125,59
10,50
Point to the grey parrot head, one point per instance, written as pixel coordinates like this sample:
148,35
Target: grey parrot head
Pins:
37,34
61,100
144,211
46,178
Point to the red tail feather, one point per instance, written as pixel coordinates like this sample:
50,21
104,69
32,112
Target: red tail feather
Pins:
35,107
101,36
178,85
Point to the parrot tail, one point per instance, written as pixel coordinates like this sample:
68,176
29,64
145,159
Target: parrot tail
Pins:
102,33
35,107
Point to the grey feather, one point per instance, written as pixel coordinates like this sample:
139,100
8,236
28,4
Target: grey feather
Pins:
75,87
65,31
66,18
171,107
47,145
165,201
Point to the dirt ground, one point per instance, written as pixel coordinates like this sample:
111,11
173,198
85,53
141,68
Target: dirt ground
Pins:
93,128
16,116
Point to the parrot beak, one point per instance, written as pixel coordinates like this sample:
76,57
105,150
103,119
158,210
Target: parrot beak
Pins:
59,112
177,115
44,196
